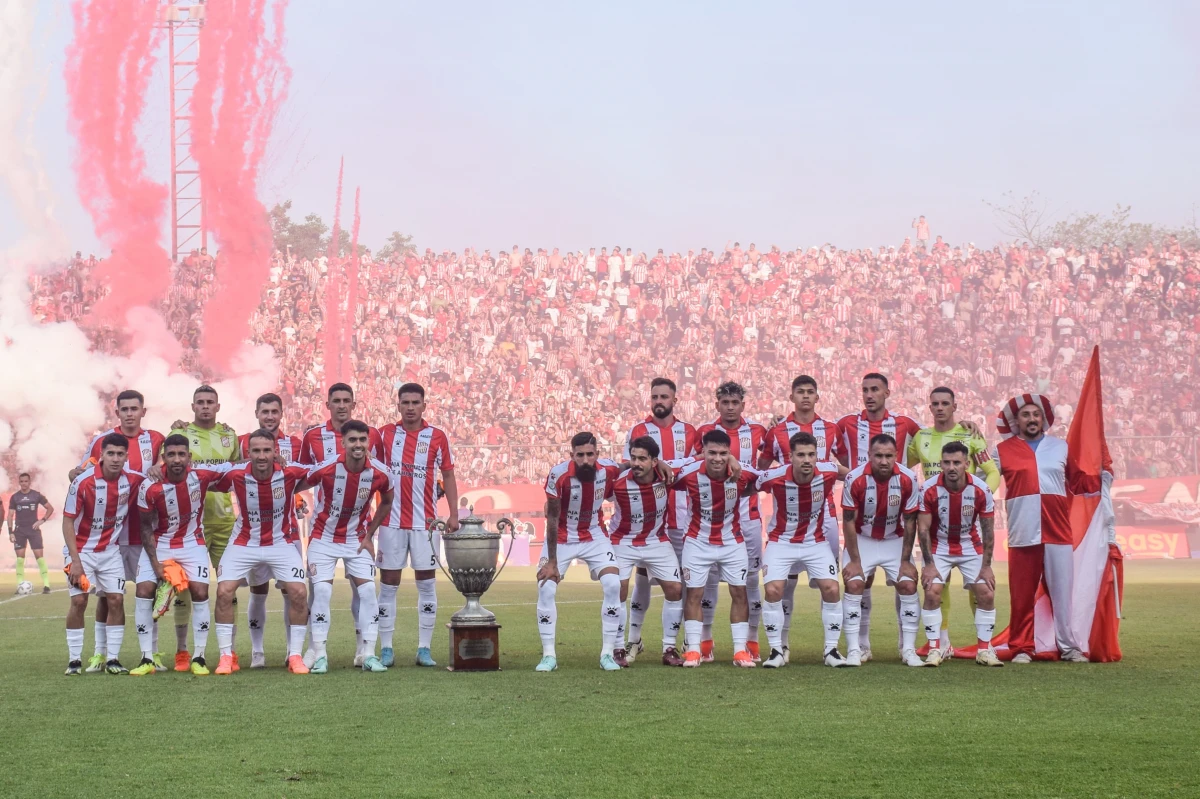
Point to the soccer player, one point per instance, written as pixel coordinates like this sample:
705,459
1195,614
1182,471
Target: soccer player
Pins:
714,541
265,495
639,538
97,504
956,526
268,412
575,493
879,498
212,443
25,528
341,531
414,452
144,448
1039,482
675,439
173,528
925,449
776,448
796,542
746,440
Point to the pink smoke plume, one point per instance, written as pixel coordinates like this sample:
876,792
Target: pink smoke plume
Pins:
109,64
243,69
351,285
333,292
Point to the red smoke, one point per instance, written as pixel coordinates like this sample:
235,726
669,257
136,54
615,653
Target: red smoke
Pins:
243,69
333,292
351,282
108,68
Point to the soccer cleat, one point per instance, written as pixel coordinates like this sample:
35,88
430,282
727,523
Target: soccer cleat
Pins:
373,664
74,668
225,665
752,648
866,655
1022,658
909,657
358,659
775,660
296,665
162,599
95,664
743,659
609,663
834,659
143,669
547,663
114,667
319,666
387,656
310,657
198,667
1075,656
707,655
634,649
934,658
923,649
158,662
854,658
947,649
183,660
258,660
670,657
691,660
236,665
987,657
45,589
424,657
787,655
622,658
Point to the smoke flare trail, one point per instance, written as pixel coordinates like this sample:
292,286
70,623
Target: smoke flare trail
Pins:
351,290
333,291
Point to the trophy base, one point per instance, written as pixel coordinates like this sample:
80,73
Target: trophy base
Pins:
474,647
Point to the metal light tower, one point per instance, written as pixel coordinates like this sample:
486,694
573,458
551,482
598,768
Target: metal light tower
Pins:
183,22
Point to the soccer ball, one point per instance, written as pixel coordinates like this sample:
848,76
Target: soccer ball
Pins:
25,588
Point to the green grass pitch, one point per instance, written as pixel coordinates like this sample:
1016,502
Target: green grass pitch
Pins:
1125,729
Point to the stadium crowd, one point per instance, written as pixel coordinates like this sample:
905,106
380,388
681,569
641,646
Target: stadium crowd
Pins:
533,345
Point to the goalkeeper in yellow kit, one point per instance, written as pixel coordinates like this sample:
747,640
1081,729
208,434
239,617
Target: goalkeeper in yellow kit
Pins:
210,442
925,448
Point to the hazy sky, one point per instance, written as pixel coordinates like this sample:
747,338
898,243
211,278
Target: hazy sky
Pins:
676,125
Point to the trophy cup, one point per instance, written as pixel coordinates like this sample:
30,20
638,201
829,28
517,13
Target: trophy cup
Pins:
471,565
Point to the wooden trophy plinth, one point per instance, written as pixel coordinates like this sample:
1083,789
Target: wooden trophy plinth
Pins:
474,648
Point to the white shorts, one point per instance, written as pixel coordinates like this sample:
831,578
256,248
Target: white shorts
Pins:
701,557
261,574
193,559
752,532
968,565
875,554
398,547
676,535
131,557
597,554
105,571
832,537
281,561
324,555
657,557
783,558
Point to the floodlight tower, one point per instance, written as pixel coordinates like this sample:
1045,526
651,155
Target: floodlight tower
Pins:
184,21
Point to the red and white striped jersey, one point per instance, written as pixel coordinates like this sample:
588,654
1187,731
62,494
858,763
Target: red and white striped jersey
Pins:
344,500
800,509
264,517
322,443
713,504
144,449
745,442
955,514
413,460
639,511
827,434
580,516
857,431
680,440
180,506
288,446
880,507
100,507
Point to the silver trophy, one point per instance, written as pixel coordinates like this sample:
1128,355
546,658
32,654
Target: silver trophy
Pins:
471,564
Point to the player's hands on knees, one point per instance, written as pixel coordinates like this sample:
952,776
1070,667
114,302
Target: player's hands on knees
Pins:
852,570
548,571
987,577
907,569
928,575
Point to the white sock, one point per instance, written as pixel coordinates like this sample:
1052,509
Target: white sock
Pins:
672,618
772,618
101,634
116,634
181,610
368,615
899,626
831,620
864,627
143,621
639,604
295,639
319,616
287,624
932,620
754,599
358,637
622,615
789,607
985,624
387,614
851,619
741,631
708,606
200,624
910,620
225,638
610,612
547,616
426,611
691,634
74,645
256,620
